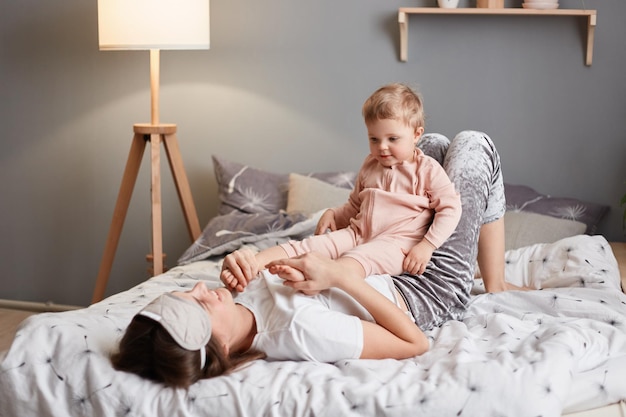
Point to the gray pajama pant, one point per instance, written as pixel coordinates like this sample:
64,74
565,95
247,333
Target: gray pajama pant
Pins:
442,292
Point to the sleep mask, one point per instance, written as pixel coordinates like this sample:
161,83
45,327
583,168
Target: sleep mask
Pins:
187,323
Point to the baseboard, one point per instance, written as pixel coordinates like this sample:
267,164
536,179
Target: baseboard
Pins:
35,306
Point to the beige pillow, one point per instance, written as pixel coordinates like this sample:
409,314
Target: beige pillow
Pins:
309,195
525,228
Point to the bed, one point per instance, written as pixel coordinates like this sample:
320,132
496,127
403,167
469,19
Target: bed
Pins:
557,350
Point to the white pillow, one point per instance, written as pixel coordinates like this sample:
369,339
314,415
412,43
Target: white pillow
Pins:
526,228
309,195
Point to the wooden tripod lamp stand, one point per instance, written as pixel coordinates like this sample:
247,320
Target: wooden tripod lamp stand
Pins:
151,25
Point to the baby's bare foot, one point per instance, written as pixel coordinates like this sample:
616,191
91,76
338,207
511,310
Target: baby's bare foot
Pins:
287,272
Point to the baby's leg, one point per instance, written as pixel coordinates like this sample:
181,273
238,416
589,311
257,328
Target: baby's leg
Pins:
332,245
382,255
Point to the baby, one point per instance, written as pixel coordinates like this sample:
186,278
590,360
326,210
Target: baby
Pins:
402,208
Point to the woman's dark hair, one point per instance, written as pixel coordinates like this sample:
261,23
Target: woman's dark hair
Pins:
148,350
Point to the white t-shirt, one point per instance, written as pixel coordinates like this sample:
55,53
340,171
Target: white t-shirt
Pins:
292,326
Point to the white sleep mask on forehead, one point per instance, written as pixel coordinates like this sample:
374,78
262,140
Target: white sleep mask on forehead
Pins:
187,323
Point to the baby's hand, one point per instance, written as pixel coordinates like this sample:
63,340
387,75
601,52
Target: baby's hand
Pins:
417,258
326,222
238,269
230,280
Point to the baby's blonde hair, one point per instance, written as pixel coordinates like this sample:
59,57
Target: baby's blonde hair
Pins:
395,101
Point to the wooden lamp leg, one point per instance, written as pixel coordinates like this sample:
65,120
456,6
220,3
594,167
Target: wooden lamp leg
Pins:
119,214
157,231
155,134
182,185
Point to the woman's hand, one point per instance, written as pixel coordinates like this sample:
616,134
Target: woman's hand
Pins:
238,269
326,222
309,273
290,274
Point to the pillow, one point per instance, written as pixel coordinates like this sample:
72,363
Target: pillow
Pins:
525,229
250,190
523,198
309,195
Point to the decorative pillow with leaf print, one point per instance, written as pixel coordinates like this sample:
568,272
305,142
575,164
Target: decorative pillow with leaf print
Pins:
250,190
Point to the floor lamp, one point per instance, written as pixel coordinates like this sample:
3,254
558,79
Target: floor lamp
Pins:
151,25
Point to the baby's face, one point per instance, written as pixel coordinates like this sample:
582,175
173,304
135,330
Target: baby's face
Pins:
392,141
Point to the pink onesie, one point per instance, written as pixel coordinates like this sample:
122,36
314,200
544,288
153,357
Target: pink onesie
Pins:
390,209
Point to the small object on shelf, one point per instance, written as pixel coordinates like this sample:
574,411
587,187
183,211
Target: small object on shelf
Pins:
542,5
490,4
448,4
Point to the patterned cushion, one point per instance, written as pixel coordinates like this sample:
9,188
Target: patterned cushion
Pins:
251,190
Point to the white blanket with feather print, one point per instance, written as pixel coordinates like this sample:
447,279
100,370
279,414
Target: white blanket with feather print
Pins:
537,353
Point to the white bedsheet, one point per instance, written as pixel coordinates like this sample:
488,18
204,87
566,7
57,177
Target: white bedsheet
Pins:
537,353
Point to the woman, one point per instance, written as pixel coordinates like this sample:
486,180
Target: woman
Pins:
182,337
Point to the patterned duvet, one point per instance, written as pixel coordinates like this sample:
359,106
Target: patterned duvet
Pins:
537,353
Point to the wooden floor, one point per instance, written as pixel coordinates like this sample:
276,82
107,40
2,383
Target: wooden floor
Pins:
9,320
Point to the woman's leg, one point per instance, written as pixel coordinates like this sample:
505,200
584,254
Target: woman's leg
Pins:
443,291
491,255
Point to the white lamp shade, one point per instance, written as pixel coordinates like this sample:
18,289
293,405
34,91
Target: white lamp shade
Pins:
153,24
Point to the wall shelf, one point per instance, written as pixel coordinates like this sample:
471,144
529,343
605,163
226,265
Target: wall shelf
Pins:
404,12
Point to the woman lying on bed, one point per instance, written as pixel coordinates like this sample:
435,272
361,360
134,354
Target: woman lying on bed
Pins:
184,336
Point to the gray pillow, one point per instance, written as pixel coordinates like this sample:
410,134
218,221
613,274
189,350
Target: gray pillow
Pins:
523,198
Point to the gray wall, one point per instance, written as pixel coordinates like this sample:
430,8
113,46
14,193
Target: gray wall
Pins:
285,79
